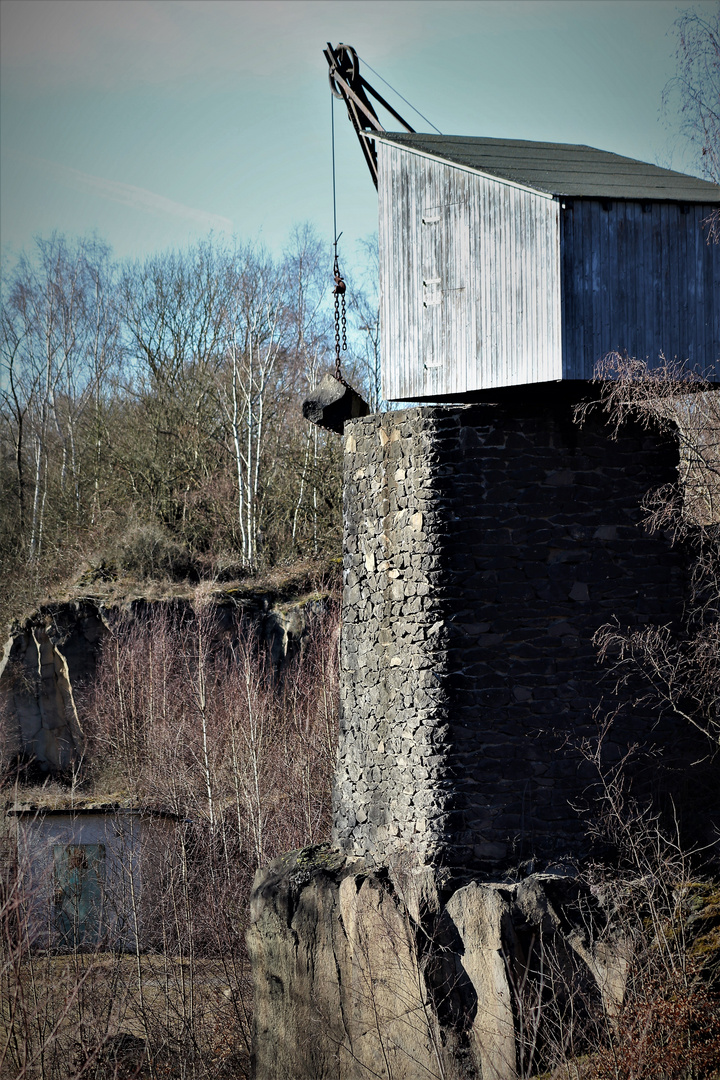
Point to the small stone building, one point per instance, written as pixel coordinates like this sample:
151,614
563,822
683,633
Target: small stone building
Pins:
88,875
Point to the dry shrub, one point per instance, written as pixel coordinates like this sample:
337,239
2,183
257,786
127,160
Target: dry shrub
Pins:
147,551
667,1025
667,1030
679,666
188,715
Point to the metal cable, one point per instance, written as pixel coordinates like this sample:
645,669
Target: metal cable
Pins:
399,95
339,290
332,129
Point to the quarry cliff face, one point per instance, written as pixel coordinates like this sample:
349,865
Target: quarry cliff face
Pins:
52,656
483,548
44,662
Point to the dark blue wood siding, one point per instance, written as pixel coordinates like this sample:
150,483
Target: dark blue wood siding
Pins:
641,279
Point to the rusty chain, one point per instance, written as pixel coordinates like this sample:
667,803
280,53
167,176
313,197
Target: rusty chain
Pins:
340,318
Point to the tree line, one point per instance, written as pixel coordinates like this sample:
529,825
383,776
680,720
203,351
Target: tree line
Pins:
149,410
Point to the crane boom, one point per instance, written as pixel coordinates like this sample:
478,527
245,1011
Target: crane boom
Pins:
350,86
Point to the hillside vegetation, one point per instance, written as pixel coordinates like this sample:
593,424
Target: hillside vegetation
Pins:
149,413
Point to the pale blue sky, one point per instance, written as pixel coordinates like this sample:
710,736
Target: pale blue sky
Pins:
153,121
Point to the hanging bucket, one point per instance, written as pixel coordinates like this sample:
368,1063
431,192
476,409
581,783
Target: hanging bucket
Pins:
332,402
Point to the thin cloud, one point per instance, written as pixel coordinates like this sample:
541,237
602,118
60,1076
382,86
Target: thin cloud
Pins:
118,43
130,195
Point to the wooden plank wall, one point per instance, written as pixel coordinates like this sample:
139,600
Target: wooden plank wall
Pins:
638,278
469,280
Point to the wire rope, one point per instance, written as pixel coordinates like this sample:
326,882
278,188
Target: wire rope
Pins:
339,290
332,129
399,95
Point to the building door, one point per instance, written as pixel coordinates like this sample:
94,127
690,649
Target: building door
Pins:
445,264
79,877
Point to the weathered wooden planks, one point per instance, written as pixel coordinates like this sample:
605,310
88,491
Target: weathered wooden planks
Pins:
470,280
485,283
638,278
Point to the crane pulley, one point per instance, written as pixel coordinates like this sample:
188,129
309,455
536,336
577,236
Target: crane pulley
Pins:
350,86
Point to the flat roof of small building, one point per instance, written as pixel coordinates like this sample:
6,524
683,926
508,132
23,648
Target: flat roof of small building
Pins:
561,168
40,809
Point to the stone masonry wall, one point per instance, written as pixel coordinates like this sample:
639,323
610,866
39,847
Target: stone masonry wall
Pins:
484,546
392,781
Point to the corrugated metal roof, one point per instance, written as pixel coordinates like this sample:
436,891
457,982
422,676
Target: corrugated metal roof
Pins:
562,168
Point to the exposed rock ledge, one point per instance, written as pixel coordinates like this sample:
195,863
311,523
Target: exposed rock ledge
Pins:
55,651
374,971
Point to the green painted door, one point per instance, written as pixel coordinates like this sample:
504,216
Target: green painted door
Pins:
79,871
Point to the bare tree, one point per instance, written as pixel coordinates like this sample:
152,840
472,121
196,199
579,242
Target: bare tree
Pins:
17,392
681,669
173,312
149,420
365,307
307,262
59,338
255,329
694,92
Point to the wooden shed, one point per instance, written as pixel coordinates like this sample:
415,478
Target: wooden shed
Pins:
505,263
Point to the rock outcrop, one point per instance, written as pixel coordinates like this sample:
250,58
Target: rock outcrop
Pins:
54,653
44,661
363,970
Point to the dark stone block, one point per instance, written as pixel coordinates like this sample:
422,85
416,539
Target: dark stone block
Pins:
332,402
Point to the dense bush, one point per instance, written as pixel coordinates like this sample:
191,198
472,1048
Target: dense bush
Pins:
148,551
187,715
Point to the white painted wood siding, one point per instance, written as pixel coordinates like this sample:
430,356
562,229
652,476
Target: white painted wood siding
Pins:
469,280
